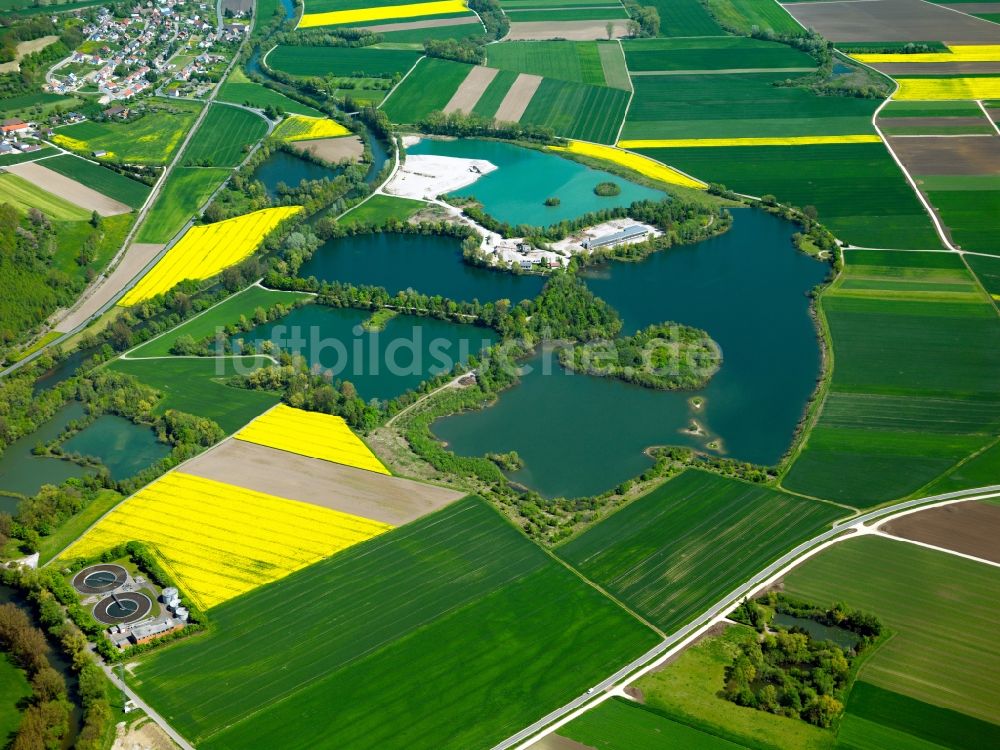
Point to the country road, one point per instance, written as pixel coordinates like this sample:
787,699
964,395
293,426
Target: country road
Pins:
844,530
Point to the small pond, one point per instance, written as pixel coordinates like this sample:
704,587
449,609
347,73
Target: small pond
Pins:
819,631
381,365
430,264
24,473
580,435
64,370
525,178
123,446
283,167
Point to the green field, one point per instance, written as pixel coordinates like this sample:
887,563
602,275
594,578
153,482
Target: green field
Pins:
239,89
971,215
417,36
225,137
494,93
688,690
569,109
341,61
379,208
229,311
565,61
941,608
901,110
857,189
738,105
14,688
685,18
450,632
182,196
151,139
680,548
742,16
620,724
72,234
130,192
712,53
195,386
72,529
567,14
980,470
426,89
878,719
24,195
988,271
32,156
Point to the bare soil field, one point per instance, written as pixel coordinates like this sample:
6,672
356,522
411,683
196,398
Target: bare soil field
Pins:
138,256
518,97
332,150
943,156
236,5
938,69
891,21
69,189
363,493
578,31
971,528
144,734
429,23
468,93
24,49
558,742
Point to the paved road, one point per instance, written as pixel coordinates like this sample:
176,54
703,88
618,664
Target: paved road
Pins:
725,604
183,743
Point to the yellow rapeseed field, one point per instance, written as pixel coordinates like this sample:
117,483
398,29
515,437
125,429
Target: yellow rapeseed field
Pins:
941,89
309,433
206,250
957,53
382,13
798,140
302,128
219,540
641,164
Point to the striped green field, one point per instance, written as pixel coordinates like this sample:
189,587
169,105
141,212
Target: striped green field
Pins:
494,93
913,391
24,195
971,215
571,110
675,551
682,18
565,61
103,180
225,137
941,609
238,89
712,53
182,196
444,633
428,88
745,16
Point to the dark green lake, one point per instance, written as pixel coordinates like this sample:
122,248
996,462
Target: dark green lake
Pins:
581,435
425,263
24,473
123,446
382,364
516,191
819,631
283,167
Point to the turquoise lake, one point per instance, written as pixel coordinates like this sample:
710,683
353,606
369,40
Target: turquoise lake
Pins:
516,191
430,264
381,365
123,446
580,435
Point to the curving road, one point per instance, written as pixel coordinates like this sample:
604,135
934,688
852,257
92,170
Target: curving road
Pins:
844,529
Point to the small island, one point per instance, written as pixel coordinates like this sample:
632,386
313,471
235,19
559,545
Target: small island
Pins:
665,356
607,189
553,201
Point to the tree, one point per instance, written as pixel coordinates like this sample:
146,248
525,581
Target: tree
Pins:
95,219
610,28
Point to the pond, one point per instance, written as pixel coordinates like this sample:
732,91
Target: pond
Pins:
283,167
819,631
123,446
525,178
381,365
24,473
64,370
580,435
430,264
380,154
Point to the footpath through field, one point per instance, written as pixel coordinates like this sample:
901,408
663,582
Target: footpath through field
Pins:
849,529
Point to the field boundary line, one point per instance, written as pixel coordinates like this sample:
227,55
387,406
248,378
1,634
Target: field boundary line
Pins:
631,94
986,112
393,89
676,642
925,545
